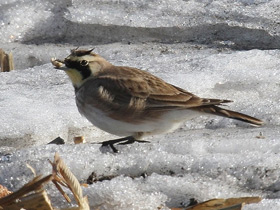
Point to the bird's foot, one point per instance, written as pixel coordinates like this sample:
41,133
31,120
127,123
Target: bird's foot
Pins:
121,141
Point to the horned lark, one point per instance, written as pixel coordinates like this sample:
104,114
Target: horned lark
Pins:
130,102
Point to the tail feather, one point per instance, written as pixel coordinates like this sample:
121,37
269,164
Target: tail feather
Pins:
212,109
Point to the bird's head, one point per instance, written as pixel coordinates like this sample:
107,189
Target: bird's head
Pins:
82,65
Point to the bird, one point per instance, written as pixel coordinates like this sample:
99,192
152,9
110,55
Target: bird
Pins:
132,103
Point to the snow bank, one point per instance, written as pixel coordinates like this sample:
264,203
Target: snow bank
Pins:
195,45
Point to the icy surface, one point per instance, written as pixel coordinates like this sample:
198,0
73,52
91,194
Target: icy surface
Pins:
208,157
240,24
219,49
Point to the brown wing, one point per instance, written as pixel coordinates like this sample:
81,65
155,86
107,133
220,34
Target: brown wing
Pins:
134,95
136,88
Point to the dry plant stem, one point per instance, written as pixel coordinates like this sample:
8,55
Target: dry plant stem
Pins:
11,61
35,184
62,192
6,61
224,204
63,173
31,169
37,200
4,191
59,180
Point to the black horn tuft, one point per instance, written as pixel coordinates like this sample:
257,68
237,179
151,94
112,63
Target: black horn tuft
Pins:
77,52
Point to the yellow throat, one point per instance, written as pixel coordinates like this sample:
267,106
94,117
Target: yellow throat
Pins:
75,76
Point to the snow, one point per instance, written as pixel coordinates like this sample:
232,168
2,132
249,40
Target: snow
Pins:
216,49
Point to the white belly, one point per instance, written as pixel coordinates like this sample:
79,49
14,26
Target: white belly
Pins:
166,123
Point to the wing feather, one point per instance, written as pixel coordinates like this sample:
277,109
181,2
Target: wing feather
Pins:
126,85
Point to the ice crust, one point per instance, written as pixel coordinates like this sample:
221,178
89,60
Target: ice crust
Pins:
217,49
208,157
45,101
244,24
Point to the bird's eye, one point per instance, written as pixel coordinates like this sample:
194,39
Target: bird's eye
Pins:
84,62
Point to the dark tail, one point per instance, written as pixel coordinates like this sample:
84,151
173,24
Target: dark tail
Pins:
212,109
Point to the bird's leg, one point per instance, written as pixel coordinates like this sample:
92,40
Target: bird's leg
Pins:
112,142
122,141
115,141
